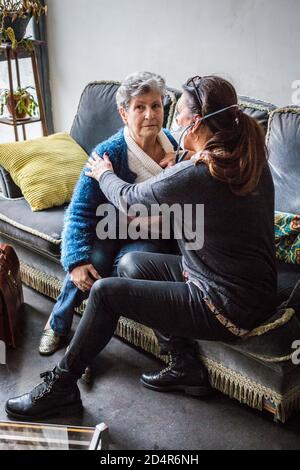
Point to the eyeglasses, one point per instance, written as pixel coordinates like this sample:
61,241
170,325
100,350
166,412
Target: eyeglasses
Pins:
195,82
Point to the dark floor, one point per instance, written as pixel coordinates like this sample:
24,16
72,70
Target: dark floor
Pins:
139,418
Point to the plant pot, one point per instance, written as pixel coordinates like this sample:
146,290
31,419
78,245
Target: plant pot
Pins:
19,26
12,104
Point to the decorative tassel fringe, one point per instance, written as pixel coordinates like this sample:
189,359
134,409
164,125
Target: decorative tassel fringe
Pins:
221,378
235,385
250,392
287,314
139,335
39,281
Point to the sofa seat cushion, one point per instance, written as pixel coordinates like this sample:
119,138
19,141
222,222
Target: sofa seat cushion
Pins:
260,369
253,381
39,230
280,377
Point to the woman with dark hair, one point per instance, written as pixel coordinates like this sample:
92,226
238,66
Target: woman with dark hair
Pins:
217,290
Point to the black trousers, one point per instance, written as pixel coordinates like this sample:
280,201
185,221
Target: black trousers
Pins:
150,290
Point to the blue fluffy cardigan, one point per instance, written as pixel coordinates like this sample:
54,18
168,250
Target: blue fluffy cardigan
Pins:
80,220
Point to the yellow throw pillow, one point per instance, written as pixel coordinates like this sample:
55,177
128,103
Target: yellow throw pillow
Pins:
46,169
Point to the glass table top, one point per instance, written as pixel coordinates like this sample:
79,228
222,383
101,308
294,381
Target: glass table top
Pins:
37,436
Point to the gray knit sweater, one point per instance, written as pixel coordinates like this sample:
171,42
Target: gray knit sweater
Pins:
235,268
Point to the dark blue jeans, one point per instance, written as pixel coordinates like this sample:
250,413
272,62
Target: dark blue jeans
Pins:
105,259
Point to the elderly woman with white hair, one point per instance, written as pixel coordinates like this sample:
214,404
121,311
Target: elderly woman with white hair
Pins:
138,151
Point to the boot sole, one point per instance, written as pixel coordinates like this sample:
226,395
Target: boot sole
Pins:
65,410
196,390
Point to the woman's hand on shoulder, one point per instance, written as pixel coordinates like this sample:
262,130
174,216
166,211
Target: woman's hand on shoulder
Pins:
98,165
168,160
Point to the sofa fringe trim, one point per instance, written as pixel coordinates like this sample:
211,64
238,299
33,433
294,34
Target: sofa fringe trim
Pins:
251,393
256,106
288,313
41,282
271,359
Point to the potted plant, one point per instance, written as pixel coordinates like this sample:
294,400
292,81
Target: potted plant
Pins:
22,101
16,14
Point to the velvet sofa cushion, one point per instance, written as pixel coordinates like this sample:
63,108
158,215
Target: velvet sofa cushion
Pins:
267,359
283,143
39,231
259,110
261,369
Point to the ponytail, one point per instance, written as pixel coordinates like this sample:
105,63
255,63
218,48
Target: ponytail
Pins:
238,155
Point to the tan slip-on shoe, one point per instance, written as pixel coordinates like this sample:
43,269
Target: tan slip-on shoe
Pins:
50,342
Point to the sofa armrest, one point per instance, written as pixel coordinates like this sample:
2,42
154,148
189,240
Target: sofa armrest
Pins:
9,188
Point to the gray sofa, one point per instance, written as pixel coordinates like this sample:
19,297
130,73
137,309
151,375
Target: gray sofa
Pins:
257,371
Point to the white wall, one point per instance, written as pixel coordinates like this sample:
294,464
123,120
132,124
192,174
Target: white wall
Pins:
254,43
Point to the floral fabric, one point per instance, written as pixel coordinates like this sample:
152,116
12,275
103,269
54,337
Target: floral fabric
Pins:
287,237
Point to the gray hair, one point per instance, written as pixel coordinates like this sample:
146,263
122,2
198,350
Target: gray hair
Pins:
137,84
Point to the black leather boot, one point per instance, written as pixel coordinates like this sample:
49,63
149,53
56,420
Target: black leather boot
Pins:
183,373
58,394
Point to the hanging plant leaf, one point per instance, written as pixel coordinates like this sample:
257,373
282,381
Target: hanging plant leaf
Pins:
12,37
